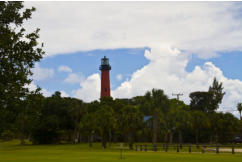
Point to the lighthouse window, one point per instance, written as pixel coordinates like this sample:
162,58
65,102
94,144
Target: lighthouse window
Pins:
105,61
105,89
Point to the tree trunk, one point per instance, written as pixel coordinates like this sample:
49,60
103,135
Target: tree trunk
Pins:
216,137
211,139
69,136
22,139
197,137
130,140
155,127
104,141
22,129
171,137
165,138
90,139
79,137
180,137
110,137
74,140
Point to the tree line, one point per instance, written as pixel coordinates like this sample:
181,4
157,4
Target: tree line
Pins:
152,117
149,118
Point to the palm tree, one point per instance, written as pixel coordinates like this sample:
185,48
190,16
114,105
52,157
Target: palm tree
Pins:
105,122
181,118
158,103
199,122
88,126
131,121
239,108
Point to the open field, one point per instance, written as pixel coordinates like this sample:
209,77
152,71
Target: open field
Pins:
12,151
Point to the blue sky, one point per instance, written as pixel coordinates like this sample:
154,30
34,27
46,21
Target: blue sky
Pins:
123,61
230,63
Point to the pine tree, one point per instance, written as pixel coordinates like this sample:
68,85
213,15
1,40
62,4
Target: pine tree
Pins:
217,94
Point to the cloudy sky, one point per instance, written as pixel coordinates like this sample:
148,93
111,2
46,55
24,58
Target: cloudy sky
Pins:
176,46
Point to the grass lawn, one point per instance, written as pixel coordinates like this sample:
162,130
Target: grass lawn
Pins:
12,151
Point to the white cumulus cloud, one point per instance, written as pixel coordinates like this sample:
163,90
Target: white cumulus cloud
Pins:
41,74
64,68
64,94
203,28
74,78
119,77
166,70
90,89
33,87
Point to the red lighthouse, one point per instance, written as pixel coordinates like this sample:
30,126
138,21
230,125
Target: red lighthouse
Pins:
105,81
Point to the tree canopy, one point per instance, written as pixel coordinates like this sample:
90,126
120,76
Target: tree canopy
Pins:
19,50
208,101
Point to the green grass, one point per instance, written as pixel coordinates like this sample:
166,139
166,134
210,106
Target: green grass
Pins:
12,151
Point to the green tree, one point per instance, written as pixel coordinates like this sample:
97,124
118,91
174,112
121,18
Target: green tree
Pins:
239,108
130,121
28,116
199,122
118,105
217,94
75,109
19,51
223,126
88,126
201,101
53,120
208,101
88,123
180,115
168,126
157,103
108,101
105,122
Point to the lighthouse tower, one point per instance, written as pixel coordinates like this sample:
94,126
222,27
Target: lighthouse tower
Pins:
105,81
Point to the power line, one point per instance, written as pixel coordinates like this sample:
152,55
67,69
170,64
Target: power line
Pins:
177,95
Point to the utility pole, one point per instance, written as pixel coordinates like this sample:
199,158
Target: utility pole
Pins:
177,95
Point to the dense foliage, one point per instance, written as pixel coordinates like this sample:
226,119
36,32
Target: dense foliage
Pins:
19,51
55,119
